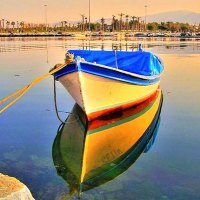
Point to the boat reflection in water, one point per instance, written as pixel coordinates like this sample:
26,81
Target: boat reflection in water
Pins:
88,154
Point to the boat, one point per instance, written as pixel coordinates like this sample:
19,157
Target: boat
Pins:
87,154
102,82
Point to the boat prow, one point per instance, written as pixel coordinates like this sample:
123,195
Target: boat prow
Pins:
102,82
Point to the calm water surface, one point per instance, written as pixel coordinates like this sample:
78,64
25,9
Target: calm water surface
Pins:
170,169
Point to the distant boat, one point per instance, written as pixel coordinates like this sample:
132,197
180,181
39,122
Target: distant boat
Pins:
88,154
140,35
103,82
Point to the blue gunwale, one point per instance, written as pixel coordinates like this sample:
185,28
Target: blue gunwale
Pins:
106,72
123,71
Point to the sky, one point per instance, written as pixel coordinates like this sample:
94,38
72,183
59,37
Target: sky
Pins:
70,10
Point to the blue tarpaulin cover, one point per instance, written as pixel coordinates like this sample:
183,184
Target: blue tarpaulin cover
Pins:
139,62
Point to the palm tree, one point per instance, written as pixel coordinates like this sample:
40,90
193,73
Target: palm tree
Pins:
127,16
69,27
143,25
198,28
3,20
79,26
13,24
138,23
7,24
62,24
113,23
86,22
83,22
102,23
21,25
65,24
133,22
120,22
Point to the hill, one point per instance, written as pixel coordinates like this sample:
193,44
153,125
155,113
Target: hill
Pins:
175,16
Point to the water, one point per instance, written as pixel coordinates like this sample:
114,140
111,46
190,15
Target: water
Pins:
169,170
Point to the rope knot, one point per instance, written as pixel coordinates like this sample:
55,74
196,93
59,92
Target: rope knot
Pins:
69,58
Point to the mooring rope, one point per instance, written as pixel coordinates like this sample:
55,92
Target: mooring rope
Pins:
55,104
21,92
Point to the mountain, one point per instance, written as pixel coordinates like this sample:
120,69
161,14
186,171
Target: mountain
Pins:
175,16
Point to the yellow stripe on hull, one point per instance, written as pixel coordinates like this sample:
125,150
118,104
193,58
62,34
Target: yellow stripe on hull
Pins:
95,93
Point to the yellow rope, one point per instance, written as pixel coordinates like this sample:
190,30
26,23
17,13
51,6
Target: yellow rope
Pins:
19,93
13,94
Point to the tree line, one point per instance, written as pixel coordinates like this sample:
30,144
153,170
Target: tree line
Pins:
122,23
173,27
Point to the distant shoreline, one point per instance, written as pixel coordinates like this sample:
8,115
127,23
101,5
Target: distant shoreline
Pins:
105,34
